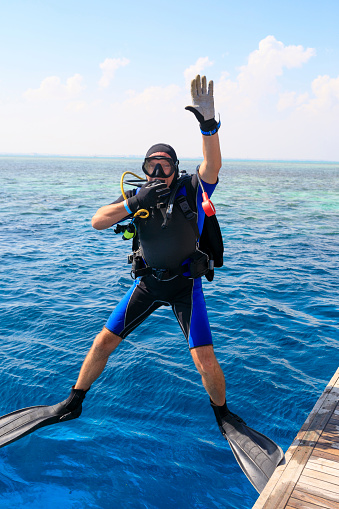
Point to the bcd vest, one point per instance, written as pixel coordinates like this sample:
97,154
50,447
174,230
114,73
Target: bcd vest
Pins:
170,236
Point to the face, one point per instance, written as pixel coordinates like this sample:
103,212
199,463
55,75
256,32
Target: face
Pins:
166,166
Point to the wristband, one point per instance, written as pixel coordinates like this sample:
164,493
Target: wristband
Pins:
127,207
216,127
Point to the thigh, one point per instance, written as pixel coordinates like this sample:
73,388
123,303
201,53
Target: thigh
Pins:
138,303
190,310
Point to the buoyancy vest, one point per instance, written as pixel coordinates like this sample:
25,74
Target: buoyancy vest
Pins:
166,247
165,243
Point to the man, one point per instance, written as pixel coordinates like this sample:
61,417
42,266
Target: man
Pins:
167,248
181,291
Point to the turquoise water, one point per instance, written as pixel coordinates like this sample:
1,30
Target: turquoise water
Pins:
147,437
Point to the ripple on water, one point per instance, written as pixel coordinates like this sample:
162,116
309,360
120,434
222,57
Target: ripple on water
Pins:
147,430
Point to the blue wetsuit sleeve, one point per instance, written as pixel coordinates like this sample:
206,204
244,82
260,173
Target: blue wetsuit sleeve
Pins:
209,188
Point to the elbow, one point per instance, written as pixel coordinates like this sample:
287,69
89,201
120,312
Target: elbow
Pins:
218,162
97,224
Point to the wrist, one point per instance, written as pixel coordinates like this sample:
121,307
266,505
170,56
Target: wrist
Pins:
209,127
132,205
127,207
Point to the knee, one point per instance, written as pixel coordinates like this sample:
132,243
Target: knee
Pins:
105,342
205,360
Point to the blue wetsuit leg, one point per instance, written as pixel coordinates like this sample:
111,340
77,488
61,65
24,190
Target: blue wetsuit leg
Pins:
138,303
192,316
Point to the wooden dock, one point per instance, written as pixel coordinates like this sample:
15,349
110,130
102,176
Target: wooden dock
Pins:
309,478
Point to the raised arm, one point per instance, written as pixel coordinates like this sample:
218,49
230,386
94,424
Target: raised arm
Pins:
203,109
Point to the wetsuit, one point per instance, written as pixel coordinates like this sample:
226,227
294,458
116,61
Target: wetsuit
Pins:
167,249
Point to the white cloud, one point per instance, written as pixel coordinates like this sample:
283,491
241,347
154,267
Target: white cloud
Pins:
77,106
267,63
108,67
325,95
51,88
260,76
152,96
289,100
200,65
260,117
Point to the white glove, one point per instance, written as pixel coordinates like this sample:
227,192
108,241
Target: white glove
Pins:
203,105
202,99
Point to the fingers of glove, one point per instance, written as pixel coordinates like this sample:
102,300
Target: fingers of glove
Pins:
163,192
149,183
152,192
210,88
198,85
157,186
203,85
148,189
194,92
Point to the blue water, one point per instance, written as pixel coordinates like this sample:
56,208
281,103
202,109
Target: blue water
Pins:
147,437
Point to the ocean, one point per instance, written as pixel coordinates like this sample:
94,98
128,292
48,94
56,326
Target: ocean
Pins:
147,437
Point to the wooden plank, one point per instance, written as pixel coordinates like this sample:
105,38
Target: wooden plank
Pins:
280,487
333,383
333,424
325,469
322,464
317,486
326,447
286,482
312,499
295,503
319,476
303,452
331,432
331,429
313,490
325,455
320,419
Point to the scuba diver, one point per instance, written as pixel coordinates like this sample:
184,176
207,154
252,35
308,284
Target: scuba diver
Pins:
167,215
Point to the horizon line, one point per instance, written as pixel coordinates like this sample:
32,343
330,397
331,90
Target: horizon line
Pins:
135,156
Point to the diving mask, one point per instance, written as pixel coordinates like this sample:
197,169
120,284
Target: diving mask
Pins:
159,166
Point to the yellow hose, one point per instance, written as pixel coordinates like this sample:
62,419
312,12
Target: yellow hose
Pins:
143,213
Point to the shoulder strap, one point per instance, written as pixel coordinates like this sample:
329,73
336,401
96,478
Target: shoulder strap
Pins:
171,199
191,191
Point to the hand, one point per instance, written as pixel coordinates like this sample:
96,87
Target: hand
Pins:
150,195
203,100
203,105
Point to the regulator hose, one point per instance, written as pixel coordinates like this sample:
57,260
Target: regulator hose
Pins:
143,213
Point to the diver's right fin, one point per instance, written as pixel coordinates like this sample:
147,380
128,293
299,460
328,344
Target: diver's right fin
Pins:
23,422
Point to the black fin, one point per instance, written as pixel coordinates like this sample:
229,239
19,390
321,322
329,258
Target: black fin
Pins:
257,455
23,422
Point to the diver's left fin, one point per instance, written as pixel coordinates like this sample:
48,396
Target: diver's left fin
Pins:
257,455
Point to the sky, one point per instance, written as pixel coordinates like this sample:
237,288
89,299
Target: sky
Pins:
112,78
